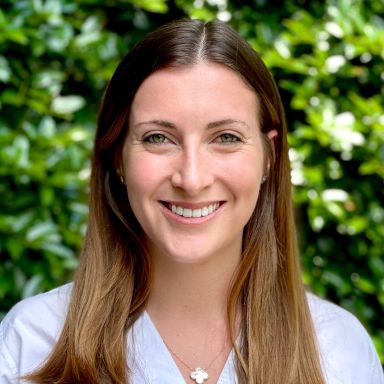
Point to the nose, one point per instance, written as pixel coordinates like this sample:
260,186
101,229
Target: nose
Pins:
192,171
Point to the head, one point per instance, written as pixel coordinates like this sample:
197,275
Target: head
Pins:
184,44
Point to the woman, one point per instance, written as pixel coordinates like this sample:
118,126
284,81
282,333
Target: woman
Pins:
190,270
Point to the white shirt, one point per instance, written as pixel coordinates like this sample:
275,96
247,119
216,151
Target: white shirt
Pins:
31,328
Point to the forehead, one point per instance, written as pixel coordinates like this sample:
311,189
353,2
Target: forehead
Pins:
202,70
205,87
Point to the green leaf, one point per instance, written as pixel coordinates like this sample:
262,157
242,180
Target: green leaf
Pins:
67,104
5,70
32,286
40,231
156,6
59,250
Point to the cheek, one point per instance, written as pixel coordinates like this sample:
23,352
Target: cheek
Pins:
140,183
142,174
245,185
245,173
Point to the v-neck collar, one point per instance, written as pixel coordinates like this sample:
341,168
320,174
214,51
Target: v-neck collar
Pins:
150,358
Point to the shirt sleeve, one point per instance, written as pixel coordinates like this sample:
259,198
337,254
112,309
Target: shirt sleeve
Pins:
28,333
347,353
377,373
8,367
367,368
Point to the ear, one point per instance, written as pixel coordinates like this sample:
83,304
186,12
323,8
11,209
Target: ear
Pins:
119,171
272,134
118,164
120,174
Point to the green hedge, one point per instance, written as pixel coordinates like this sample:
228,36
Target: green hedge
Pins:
327,56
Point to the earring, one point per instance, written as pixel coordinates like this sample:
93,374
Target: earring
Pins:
121,177
264,178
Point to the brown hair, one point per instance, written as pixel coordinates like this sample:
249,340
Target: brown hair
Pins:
113,279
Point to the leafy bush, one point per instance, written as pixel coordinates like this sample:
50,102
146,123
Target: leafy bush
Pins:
55,59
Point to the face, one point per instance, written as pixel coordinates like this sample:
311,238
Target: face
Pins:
193,161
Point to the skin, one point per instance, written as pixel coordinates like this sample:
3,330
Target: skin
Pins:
194,141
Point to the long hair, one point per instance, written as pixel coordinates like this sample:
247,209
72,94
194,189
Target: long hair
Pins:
113,280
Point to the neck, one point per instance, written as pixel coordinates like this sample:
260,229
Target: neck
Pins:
188,305
197,292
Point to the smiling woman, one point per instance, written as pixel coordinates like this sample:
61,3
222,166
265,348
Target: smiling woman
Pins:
190,270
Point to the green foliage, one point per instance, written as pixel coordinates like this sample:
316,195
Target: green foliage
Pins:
327,56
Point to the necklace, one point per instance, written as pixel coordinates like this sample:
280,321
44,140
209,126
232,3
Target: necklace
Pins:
199,374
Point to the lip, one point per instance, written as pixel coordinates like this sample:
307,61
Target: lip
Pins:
165,208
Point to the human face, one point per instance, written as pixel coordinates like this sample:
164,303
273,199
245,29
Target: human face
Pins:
193,161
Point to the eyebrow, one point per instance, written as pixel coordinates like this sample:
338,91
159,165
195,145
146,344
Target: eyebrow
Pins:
161,123
214,124
220,123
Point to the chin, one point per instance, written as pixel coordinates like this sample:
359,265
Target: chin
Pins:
188,259
189,256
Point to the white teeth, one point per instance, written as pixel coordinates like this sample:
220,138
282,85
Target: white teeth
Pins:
196,213
188,212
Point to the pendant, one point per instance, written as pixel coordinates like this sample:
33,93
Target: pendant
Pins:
199,375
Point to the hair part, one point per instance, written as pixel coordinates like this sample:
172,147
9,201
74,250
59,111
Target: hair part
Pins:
113,281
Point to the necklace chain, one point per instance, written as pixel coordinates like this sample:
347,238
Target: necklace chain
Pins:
198,374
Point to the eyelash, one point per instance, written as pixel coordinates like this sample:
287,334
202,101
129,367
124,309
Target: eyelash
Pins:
150,139
224,139
233,139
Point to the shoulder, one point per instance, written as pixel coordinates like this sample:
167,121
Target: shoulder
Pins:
30,329
334,325
45,310
344,345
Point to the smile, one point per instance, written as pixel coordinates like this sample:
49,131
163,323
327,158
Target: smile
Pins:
194,213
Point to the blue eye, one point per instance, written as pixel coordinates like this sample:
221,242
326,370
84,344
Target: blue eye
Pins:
156,138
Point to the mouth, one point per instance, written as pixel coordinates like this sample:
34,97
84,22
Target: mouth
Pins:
192,212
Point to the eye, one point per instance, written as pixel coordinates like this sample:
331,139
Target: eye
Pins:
227,138
156,138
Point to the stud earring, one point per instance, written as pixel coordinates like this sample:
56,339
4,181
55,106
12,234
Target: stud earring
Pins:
264,178
121,177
